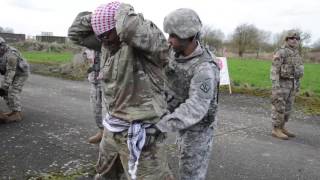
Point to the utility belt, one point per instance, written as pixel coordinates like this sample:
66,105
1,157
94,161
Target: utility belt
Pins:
150,131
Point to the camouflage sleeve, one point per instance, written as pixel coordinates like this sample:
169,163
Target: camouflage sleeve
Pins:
80,32
11,71
201,92
140,33
275,69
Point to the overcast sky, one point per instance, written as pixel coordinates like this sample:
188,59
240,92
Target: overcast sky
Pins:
31,17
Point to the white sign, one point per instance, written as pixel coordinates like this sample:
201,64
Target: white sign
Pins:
224,73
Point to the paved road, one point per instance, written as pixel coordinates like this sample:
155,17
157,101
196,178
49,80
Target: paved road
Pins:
58,120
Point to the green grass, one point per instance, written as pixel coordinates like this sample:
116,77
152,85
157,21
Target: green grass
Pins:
256,74
47,58
251,76
311,79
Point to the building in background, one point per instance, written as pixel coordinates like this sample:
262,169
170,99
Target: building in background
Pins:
11,37
50,38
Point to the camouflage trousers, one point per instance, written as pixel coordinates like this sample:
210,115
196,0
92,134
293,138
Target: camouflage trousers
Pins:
195,145
13,99
96,103
113,157
282,100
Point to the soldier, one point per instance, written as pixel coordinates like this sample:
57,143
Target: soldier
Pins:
15,70
134,83
93,58
286,71
192,97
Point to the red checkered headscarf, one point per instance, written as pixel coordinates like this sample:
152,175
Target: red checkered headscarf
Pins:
102,19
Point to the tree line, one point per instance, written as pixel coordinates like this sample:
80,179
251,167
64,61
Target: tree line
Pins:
247,38
6,30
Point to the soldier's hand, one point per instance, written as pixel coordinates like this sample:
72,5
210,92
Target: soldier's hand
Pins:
100,76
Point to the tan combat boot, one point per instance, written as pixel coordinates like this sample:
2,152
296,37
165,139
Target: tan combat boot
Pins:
8,113
286,132
15,116
96,138
3,118
277,133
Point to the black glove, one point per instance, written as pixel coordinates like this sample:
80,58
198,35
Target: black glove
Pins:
90,69
3,92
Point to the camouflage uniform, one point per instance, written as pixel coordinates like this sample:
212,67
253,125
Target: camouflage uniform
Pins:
192,98
16,71
133,78
286,71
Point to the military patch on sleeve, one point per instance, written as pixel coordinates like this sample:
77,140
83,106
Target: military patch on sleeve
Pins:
12,61
205,87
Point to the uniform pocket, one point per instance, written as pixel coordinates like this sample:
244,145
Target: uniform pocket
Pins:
287,71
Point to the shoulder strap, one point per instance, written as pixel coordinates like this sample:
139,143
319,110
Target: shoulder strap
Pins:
206,56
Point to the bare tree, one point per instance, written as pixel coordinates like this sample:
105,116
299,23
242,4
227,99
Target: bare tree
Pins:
213,38
261,42
6,30
244,37
316,45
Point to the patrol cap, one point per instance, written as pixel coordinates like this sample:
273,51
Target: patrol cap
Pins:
182,22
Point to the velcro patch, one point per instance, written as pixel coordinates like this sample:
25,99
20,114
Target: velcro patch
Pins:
205,87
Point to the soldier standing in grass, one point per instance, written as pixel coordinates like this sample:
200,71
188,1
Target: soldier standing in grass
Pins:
286,72
192,94
15,70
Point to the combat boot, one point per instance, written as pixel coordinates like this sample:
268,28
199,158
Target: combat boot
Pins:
277,133
96,138
286,132
3,118
15,116
8,113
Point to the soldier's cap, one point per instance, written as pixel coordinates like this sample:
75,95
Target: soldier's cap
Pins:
292,33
